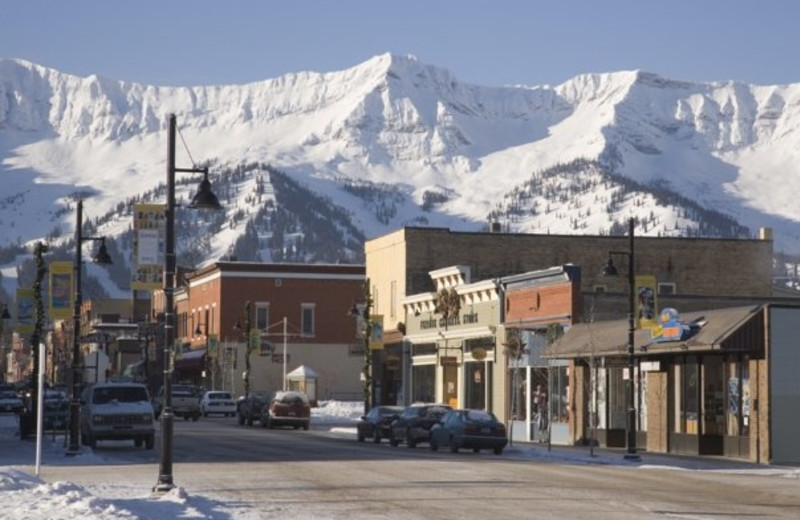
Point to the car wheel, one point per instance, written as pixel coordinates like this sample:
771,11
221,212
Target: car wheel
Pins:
392,440
410,442
476,450
376,436
498,450
453,446
138,442
91,442
359,437
150,441
205,414
241,419
249,420
434,445
306,426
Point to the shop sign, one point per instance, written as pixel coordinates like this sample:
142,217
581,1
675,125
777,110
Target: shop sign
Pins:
479,353
448,361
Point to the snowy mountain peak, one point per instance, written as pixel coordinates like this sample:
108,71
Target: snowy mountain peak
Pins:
413,144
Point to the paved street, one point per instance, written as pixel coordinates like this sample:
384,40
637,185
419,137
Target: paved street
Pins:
317,474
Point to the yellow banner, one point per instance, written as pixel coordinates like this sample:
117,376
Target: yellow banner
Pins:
646,301
376,334
61,290
149,239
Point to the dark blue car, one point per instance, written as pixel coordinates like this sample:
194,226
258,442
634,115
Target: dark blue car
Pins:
472,429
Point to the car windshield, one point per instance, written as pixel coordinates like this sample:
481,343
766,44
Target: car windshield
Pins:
122,394
219,395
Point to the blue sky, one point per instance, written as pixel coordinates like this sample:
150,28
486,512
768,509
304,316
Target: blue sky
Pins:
493,42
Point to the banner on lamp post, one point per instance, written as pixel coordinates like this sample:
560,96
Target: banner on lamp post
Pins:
213,345
646,303
254,340
61,290
376,332
26,311
149,239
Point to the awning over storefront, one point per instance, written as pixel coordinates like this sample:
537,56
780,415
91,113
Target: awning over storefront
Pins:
733,329
191,361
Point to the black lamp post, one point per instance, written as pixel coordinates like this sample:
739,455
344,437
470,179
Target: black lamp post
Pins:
4,316
611,270
247,347
364,314
203,199
102,257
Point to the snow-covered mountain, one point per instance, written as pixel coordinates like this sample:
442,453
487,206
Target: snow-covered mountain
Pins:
393,141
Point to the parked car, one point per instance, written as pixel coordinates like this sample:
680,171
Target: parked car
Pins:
475,429
377,423
248,407
115,410
185,401
287,409
414,424
55,411
217,402
10,401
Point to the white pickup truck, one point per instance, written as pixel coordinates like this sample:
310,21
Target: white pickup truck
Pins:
185,401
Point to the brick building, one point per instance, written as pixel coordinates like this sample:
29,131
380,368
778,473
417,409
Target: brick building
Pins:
690,273
301,306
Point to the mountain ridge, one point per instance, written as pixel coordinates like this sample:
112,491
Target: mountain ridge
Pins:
425,147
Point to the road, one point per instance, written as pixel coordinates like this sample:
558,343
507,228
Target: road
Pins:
291,474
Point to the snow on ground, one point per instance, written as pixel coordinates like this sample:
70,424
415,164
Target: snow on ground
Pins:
23,496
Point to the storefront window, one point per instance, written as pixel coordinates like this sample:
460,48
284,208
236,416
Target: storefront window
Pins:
559,394
618,399
686,385
713,398
737,409
518,393
598,414
477,386
424,383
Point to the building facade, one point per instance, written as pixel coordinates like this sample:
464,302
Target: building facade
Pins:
720,382
298,316
690,273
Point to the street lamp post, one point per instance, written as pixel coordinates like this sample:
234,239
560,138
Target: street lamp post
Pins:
4,316
102,257
247,347
363,313
203,199
611,270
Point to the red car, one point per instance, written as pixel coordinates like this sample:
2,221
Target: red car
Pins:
287,409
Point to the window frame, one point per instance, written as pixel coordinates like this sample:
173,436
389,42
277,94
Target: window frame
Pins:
308,329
